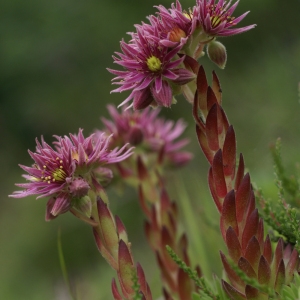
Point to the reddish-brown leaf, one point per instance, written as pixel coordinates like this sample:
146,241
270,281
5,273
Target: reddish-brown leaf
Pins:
167,296
141,169
209,154
108,229
278,256
143,203
233,245
211,98
182,249
184,283
104,252
212,188
264,271
224,119
164,200
174,209
197,119
143,283
121,230
212,128
240,172
191,63
229,153
166,273
260,234
233,277
242,198
218,175
126,269
254,294
153,236
292,266
280,276
171,224
202,89
268,250
252,253
233,293
250,228
183,242
245,266
166,239
115,290
216,86
251,204
228,215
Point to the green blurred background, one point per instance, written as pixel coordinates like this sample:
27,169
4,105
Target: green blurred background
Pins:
54,56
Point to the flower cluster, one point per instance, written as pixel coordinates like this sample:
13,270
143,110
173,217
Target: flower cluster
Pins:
152,136
65,171
154,58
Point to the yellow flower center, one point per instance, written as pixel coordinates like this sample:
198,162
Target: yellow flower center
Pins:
154,63
59,175
215,21
189,14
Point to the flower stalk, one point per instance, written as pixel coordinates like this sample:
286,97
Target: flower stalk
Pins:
156,147
232,192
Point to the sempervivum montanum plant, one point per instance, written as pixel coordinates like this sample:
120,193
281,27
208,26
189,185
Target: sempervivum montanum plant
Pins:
70,172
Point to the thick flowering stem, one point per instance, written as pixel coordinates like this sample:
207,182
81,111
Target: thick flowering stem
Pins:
254,270
157,145
112,242
161,229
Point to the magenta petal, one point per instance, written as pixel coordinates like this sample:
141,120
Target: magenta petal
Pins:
164,97
158,84
50,203
142,99
184,76
61,205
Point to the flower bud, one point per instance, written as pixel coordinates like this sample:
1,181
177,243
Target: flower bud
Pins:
78,187
142,99
135,136
104,175
216,52
84,205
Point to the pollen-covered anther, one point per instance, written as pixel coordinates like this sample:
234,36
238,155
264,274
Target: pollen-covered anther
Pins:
154,63
188,15
215,21
59,175
176,34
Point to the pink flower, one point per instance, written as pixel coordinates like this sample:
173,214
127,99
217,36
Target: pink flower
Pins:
150,134
150,69
216,18
65,172
174,25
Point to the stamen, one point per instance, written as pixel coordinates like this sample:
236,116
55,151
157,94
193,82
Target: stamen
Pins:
59,175
154,63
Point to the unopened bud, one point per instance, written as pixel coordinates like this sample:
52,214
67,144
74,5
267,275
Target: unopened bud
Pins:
104,175
142,99
84,205
216,51
78,187
135,136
